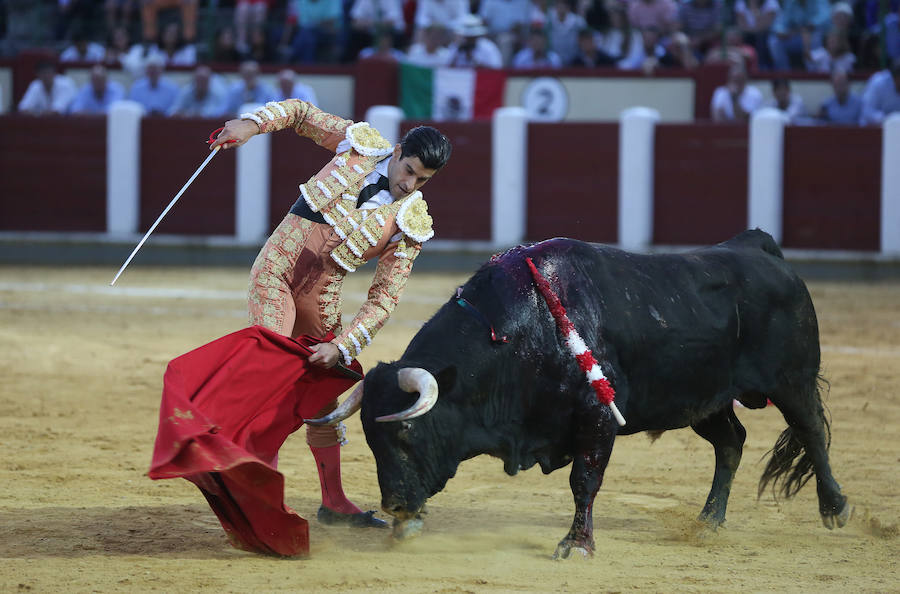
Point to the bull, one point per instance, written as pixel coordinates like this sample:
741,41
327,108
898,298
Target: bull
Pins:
679,337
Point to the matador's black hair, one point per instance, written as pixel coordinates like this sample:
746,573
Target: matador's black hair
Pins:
430,146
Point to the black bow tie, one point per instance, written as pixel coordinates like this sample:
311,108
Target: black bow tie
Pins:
372,189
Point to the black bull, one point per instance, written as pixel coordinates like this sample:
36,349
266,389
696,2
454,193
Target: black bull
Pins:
678,336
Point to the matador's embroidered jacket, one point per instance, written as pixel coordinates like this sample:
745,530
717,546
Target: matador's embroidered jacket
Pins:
392,232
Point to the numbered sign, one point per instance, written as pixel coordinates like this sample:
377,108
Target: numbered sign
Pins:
545,99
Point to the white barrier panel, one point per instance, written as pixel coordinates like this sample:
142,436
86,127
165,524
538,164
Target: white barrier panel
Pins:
509,150
386,119
765,167
123,167
637,129
252,189
890,185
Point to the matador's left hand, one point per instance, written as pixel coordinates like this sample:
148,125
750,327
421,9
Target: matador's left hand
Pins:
325,354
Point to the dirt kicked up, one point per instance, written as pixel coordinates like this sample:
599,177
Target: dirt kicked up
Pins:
82,365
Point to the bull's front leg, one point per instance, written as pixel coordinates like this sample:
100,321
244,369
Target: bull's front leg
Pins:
595,432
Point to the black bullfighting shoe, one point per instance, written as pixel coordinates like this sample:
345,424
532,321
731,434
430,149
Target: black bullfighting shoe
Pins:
360,520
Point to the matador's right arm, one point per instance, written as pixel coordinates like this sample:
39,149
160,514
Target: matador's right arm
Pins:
305,118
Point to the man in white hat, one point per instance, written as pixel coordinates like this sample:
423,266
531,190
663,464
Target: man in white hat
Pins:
472,48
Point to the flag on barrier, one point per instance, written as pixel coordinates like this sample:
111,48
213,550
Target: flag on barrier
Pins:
447,94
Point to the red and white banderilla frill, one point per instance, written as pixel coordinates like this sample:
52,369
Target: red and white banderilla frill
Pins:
583,355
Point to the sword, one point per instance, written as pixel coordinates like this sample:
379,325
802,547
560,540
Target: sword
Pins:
168,208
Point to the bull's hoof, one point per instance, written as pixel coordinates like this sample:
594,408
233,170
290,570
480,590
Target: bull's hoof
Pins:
410,528
711,521
565,548
840,519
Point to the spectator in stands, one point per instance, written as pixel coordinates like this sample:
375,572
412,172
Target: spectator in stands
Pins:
882,96
835,53
260,50
536,54
733,51
701,21
371,17
382,48
97,95
82,48
786,101
446,15
311,31
72,14
473,48
537,15
150,14
843,107
248,16
798,29
868,20
736,100
224,49
49,93
507,22
659,15
563,25
596,14
133,58
755,19
430,50
153,90
174,48
842,18
589,56
203,97
119,13
290,88
654,53
118,44
620,41
249,89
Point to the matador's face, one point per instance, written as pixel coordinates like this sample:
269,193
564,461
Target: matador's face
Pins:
407,174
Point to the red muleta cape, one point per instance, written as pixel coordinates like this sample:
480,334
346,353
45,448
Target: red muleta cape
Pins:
226,409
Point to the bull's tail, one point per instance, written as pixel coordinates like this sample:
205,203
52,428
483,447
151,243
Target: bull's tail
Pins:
791,465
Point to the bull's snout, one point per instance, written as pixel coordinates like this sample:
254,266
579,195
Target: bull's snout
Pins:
397,508
408,522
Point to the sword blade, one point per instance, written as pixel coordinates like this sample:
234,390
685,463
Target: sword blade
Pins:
166,210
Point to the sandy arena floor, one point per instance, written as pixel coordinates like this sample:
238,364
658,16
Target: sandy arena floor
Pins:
82,365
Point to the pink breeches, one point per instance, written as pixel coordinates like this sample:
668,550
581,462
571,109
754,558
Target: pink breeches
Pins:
294,290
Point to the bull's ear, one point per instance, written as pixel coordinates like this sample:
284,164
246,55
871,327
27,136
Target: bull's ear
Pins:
446,379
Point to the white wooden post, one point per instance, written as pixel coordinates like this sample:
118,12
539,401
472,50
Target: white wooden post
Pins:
386,119
890,185
123,167
765,171
252,173
509,150
637,129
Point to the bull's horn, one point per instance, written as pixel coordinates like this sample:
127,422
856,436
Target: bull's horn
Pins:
344,409
415,379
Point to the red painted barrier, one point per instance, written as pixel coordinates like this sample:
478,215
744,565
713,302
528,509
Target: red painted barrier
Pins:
700,183
294,159
54,173
171,150
459,196
573,181
832,197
